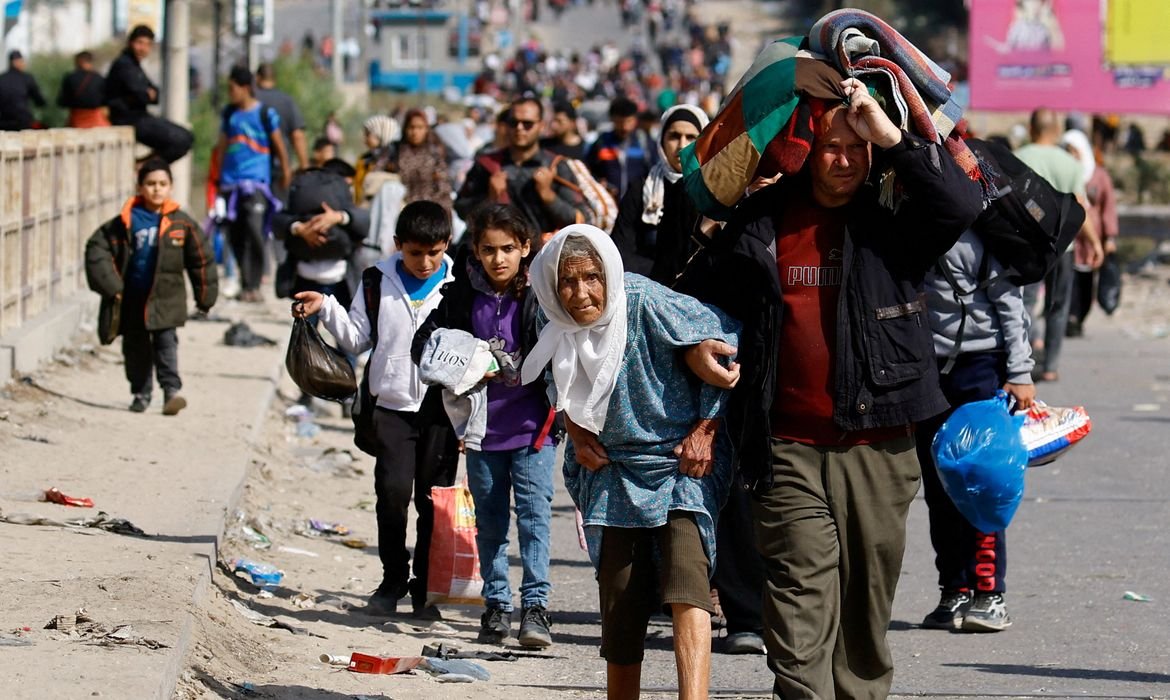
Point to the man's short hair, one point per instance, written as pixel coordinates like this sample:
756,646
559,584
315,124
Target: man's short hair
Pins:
526,100
565,108
265,72
241,76
504,115
83,57
622,107
338,166
321,142
139,32
14,55
423,222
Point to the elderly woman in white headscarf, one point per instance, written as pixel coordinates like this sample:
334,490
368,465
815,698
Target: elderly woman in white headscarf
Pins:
1103,211
656,217
648,464
381,134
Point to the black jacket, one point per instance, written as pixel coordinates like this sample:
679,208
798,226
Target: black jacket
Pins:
886,373
82,89
658,252
17,89
569,206
128,90
306,193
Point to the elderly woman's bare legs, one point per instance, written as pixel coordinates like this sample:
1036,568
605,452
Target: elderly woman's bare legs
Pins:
692,650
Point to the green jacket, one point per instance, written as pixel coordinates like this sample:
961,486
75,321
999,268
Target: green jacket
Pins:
181,246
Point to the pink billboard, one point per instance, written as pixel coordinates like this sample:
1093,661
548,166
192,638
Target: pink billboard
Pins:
1026,54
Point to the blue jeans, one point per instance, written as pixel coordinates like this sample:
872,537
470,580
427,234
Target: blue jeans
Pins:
492,477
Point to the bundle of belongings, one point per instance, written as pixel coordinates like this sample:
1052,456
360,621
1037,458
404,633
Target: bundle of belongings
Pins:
765,127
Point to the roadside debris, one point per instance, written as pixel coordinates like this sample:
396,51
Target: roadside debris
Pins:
368,663
258,618
101,521
82,626
261,574
297,550
334,660
1137,597
327,528
240,335
445,668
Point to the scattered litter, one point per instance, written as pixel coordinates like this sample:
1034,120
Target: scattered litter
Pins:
445,651
430,628
304,601
35,438
355,543
297,550
81,625
364,505
54,495
240,335
265,594
328,528
334,660
1146,407
1138,597
367,663
459,667
101,521
258,540
245,688
333,602
262,574
125,634
6,641
307,429
258,618
454,678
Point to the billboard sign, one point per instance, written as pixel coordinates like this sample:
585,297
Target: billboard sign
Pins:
1026,54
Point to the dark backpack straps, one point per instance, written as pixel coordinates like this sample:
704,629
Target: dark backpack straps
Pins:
372,295
959,293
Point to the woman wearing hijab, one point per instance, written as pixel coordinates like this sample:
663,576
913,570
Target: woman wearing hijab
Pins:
380,133
656,218
1103,210
421,162
648,464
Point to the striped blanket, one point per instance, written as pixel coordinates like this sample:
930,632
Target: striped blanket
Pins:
765,126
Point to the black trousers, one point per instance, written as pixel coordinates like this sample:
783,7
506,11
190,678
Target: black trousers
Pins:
415,455
739,568
1083,293
151,352
167,139
965,558
247,239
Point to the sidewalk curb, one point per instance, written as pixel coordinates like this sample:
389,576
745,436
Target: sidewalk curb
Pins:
27,347
175,664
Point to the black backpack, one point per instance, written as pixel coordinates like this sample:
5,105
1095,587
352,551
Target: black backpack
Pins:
1027,224
365,438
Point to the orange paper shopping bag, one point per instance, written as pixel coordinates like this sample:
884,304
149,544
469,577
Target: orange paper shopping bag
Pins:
453,576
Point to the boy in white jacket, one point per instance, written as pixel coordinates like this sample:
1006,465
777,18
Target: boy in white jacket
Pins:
416,447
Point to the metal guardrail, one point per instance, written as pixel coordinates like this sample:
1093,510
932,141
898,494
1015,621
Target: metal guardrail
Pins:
56,187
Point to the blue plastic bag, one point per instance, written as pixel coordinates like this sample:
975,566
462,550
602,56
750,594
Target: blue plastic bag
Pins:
981,460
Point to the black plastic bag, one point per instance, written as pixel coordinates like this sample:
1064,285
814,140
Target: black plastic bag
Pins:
1109,284
320,370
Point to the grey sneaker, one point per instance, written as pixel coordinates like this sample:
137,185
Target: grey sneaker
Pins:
987,613
495,626
743,643
534,628
949,613
174,402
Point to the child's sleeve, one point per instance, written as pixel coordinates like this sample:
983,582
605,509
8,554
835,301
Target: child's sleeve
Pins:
100,271
352,328
1014,324
199,259
435,320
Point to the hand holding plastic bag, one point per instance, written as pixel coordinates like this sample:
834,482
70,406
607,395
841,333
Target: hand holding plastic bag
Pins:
319,369
981,460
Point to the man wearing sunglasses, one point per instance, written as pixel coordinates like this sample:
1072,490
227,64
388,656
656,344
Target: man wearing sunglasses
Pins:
522,174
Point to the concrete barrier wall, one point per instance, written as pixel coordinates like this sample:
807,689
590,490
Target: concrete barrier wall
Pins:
56,187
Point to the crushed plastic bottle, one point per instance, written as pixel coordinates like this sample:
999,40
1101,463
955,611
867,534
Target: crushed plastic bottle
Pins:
261,574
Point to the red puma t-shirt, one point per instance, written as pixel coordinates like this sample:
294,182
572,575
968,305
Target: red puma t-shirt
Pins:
810,245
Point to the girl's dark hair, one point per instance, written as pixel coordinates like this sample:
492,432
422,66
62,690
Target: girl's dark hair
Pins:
510,220
151,165
423,222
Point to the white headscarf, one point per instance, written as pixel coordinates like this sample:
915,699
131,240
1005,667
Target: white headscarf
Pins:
585,359
654,189
1084,150
384,127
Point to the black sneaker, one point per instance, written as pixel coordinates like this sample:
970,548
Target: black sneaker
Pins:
743,643
534,626
495,626
140,403
173,403
949,613
987,613
384,601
